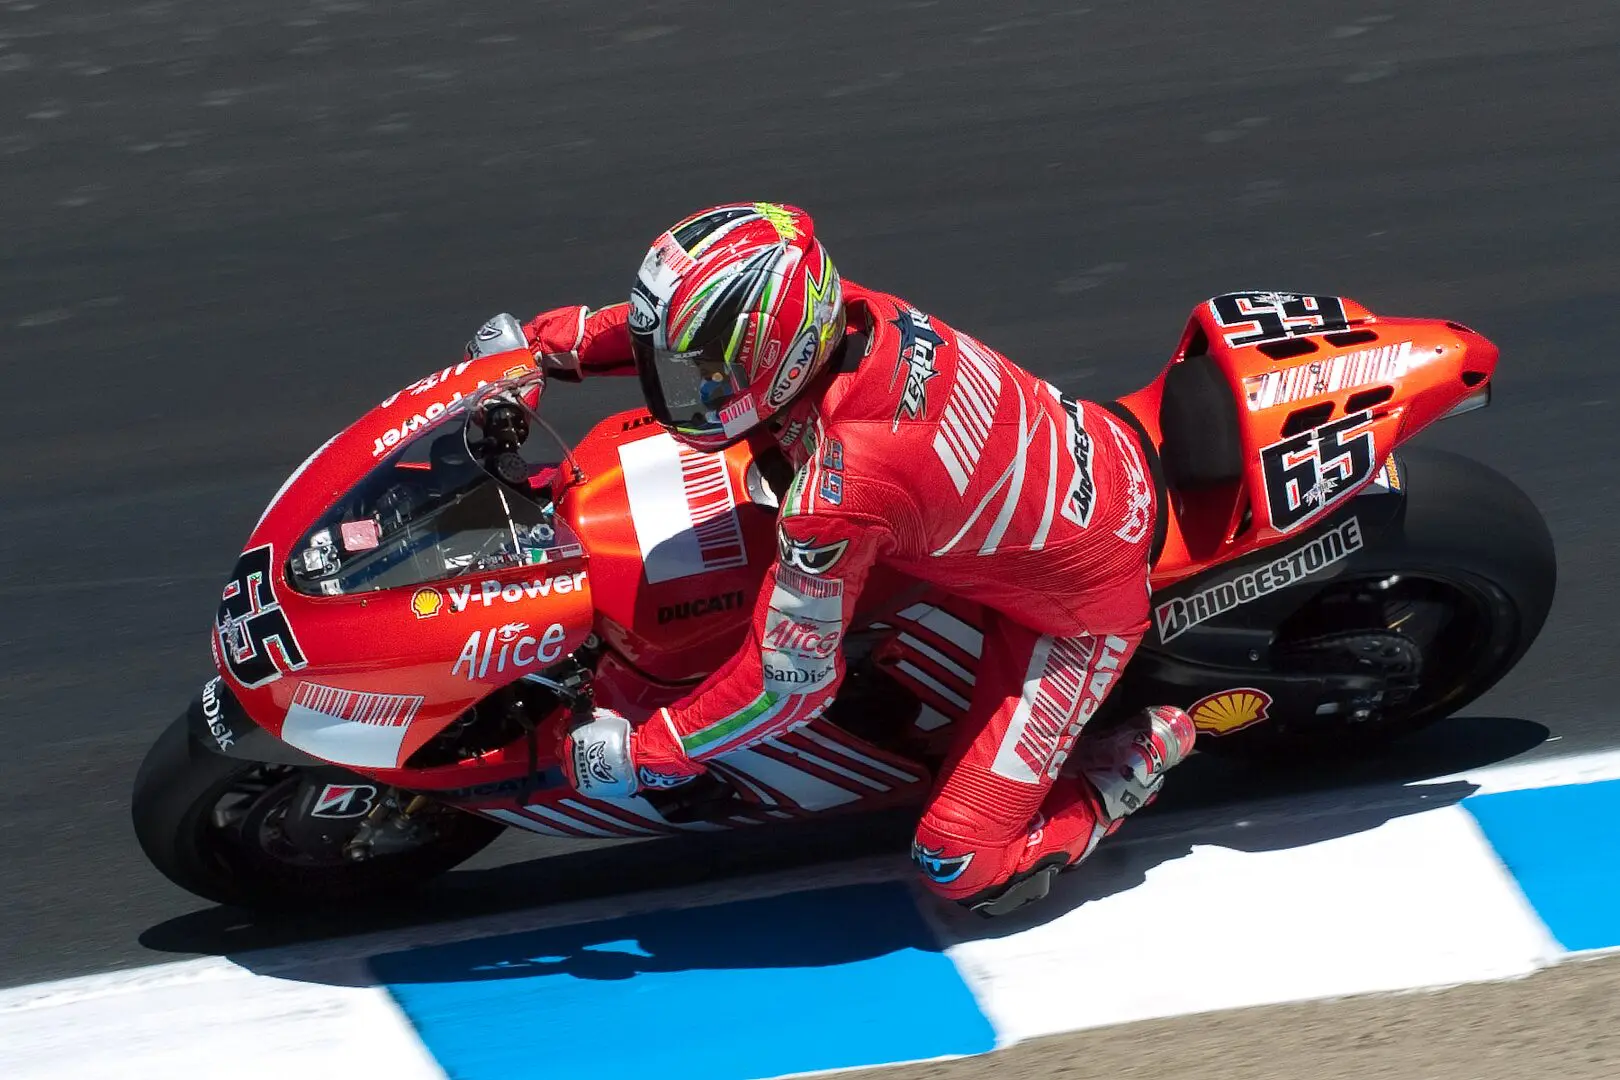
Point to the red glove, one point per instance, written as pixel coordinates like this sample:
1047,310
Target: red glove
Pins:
570,342
556,338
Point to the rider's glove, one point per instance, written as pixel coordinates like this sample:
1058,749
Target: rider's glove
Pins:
556,337
606,758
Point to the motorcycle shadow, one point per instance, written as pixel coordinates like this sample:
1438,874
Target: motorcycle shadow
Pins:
1212,801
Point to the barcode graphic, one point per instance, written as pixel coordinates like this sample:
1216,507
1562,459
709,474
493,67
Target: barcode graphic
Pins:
814,587
1328,376
382,710
966,425
709,500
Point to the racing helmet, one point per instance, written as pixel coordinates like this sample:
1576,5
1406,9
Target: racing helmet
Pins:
734,311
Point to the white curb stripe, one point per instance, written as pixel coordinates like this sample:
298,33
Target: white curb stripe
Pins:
1418,901
207,1018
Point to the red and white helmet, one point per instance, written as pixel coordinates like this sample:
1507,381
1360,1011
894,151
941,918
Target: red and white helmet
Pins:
734,311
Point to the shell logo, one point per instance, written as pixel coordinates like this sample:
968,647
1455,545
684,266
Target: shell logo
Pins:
1230,710
425,603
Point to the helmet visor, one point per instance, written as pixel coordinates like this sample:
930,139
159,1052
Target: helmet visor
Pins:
698,393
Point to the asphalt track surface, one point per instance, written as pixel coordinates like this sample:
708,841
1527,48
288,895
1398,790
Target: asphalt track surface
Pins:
226,228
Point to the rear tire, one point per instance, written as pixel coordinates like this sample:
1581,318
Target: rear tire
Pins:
176,792
1464,530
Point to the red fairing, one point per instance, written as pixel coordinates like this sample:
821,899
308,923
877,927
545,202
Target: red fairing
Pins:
1372,381
678,552
368,678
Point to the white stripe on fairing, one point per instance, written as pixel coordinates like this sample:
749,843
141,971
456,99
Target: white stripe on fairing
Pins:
948,626
933,684
526,823
810,792
1312,378
600,816
1418,901
840,748
830,766
939,658
658,508
643,809
655,484
370,746
554,816
931,719
736,777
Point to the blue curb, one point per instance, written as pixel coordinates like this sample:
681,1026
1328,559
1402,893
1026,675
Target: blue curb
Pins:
1562,845
834,978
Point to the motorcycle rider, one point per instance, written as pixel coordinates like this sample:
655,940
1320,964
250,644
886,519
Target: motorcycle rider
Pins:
919,447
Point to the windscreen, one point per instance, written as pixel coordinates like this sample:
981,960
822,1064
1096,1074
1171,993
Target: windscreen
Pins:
474,491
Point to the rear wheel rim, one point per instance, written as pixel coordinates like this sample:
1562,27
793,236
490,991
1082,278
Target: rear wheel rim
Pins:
1462,630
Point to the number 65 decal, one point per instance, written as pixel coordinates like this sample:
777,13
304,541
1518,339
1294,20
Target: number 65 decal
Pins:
250,621
1309,472
1272,316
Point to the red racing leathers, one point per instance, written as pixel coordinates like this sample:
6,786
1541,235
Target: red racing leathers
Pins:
939,457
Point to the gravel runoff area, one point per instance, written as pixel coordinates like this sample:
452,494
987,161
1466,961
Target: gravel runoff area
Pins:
1562,1022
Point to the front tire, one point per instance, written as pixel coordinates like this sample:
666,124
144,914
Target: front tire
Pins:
1463,578
176,807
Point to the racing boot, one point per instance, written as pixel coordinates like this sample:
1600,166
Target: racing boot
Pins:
1127,764
1116,774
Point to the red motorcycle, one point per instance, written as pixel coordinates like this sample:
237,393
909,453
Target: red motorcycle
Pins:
441,587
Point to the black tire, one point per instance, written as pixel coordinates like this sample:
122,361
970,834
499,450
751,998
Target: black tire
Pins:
1466,528
176,790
